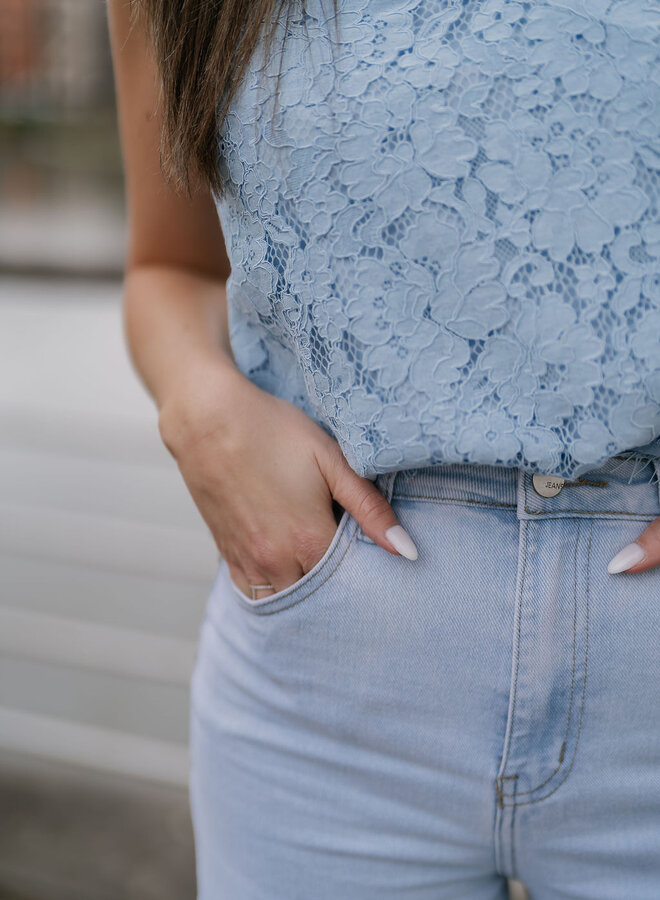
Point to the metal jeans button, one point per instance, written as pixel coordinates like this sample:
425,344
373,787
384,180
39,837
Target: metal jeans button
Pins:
547,485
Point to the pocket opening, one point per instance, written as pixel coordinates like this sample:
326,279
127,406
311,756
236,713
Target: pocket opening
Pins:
297,591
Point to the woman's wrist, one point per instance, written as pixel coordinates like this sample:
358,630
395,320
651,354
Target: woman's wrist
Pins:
176,326
203,399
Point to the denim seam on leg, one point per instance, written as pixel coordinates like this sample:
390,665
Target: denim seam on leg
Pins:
584,691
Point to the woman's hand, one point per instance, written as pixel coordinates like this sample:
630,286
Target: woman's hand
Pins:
640,555
263,475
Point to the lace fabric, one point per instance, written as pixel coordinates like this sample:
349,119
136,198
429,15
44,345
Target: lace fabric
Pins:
445,237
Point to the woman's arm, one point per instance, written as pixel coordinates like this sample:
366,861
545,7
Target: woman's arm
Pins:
274,527
175,305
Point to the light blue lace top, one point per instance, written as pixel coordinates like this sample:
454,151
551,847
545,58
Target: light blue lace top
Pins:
445,240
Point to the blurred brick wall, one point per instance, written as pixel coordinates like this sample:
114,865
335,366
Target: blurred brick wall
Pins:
54,58
61,182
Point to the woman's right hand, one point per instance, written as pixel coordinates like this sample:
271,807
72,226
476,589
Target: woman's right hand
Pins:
263,475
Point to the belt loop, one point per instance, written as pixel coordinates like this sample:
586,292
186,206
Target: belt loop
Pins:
389,487
385,484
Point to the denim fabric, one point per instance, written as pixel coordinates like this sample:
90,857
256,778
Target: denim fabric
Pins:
445,237
387,728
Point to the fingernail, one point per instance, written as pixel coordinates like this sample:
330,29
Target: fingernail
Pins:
401,541
629,556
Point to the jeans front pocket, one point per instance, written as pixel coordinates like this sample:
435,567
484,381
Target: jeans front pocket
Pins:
307,583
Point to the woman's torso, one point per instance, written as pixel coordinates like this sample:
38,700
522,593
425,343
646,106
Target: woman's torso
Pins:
445,243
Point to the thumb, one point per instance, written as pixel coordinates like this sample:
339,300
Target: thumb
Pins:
367,505
641,554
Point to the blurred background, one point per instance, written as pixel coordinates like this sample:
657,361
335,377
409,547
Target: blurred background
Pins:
105,563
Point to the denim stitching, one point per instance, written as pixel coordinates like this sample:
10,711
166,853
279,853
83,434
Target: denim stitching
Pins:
549,512
459,499
499,851
500,792
263,610
386,488
584,689
601,483
556,513
367,540
389,486
511,837
499,788
592,512
570,703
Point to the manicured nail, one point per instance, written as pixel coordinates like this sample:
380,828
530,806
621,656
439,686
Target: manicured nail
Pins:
401,541
629,556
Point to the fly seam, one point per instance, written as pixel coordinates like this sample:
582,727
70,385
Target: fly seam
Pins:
502,778
570,703
584,687
511,834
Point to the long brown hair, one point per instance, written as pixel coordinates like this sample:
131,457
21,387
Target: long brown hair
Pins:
202,48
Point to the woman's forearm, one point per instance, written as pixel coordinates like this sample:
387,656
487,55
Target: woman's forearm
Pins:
175,321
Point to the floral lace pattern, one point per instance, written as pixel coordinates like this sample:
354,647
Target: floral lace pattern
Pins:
445,238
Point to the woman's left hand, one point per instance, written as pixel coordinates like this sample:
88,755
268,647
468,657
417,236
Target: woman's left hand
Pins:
641,554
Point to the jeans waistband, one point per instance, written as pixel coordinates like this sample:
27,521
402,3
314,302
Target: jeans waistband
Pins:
623,486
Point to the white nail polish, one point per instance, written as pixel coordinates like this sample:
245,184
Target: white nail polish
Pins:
629,556
401,541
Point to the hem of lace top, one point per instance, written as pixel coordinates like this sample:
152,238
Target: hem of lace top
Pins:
644,456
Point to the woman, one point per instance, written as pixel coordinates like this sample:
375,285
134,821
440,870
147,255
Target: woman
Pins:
436,421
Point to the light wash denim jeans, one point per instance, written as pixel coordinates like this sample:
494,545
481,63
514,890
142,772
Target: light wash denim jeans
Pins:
388,728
